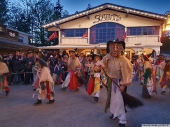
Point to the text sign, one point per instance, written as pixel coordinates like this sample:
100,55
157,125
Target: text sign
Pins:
107,17
12,34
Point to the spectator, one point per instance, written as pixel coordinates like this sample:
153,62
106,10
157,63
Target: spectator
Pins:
16,69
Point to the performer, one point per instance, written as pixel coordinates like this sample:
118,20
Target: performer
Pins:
140,69
159,71
94,81
74,66
46,84
164,81
147,78
3,78
119,69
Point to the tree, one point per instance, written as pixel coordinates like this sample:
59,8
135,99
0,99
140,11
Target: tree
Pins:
4,11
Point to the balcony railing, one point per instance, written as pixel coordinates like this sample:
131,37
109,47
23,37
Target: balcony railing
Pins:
74,41
143,39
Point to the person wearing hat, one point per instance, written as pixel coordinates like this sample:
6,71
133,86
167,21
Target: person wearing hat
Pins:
3,78
148,80
94,80
46,84
74,66
88,65
117,70
164,81
159,71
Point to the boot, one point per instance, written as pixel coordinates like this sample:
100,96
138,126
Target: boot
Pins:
51,101
112,116
121,125
38,102
64,88
7,92
96,99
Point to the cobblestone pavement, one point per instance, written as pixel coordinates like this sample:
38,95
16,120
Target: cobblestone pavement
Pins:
77,109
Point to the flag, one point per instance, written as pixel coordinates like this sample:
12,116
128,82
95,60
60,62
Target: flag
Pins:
85,35
124,37
53,36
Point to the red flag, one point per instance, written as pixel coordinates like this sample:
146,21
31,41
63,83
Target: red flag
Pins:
124,37
85,35
53,36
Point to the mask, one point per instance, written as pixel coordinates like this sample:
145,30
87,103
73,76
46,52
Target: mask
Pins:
116,49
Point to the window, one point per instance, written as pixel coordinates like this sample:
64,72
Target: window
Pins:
103,32
148,30
21,39
73,32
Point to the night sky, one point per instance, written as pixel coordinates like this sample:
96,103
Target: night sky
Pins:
157,6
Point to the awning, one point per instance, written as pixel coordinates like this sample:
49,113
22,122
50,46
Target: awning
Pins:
10,44
99,46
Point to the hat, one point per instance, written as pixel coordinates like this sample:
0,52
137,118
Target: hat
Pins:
73,50
115,42
95,55
51,55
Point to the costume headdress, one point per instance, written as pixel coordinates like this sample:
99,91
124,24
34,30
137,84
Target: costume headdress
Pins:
115,42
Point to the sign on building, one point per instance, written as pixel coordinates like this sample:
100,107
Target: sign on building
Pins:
11,34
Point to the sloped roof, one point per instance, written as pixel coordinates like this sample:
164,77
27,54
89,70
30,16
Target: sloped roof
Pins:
107,6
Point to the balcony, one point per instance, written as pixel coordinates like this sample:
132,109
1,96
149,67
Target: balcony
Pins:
143,39
74,41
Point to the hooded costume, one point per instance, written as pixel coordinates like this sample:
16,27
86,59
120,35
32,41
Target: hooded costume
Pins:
119,69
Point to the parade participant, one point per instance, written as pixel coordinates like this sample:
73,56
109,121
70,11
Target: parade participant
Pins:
96,76
64,66
74,65
56,73
46,84
159,71
164,81
36,71
3,78
89,65
140,69
148,82
119,72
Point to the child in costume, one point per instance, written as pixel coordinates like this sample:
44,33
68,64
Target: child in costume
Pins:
74,67
46,84
95,81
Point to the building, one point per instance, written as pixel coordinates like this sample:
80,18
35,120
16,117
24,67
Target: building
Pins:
91,29
12,40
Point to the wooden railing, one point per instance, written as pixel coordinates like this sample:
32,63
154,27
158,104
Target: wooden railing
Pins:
74,41
144,39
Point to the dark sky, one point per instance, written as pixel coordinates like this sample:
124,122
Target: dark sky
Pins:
157,6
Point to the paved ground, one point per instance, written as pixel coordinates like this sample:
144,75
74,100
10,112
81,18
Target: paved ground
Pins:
77,109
